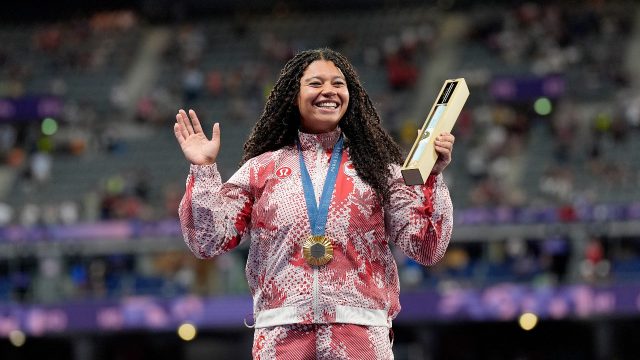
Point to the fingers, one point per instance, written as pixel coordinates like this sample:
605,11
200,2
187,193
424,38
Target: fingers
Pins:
445,141
215,134
444,146
446,137
185,122
444,154
178,133
182,128
195,122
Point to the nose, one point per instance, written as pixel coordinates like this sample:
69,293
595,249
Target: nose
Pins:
328,90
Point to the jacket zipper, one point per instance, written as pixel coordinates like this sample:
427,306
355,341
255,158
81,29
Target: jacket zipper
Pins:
316,289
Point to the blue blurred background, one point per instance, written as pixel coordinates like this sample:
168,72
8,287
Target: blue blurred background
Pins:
544,261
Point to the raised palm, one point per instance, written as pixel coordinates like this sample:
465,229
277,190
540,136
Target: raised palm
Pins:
195,145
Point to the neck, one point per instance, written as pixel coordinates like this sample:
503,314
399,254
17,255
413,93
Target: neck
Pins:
326,139
317,131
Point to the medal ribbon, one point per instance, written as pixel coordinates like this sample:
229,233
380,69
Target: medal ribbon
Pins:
318,214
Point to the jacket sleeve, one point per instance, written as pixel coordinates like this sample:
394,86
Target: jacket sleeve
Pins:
419,219
214,216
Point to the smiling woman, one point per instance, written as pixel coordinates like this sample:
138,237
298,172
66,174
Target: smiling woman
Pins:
323,97
319,196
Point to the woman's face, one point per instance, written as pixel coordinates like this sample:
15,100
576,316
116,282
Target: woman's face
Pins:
323,97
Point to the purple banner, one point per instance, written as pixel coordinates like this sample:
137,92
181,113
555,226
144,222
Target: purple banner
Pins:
510,88
548,215
126,314
130,229
30,108
108,230
504,302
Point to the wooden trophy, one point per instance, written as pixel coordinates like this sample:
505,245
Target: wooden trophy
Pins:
442,117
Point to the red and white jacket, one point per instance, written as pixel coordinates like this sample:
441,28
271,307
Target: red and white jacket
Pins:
263,202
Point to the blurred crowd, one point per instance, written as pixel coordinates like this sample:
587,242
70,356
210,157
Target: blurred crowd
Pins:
549,262
507,153
575,147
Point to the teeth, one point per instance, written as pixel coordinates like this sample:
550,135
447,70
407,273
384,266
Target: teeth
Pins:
327,104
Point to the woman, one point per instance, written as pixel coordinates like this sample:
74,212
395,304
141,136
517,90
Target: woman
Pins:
319,196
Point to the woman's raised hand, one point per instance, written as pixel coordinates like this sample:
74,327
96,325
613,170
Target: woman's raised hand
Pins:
194,143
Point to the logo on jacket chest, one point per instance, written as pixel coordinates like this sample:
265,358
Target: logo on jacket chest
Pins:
283,172
349,169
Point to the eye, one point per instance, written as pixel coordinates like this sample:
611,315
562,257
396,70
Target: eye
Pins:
339,83
315,83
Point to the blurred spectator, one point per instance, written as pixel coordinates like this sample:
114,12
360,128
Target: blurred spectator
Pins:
192,83
595,266
40,167
51,284
555,255
6,214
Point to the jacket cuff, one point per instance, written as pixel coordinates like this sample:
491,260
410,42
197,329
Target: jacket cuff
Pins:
203,170
433,179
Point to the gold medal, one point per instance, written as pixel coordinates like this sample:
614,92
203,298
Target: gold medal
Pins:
317,250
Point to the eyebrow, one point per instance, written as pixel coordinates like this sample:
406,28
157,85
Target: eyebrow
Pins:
319,77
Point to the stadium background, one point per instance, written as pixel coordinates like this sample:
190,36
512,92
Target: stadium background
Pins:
545,178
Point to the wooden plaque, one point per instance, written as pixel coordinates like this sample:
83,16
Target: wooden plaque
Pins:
442,117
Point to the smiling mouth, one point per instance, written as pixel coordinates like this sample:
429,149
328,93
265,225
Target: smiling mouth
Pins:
331,105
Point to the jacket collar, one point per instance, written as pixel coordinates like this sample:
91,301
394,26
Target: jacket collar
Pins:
326,140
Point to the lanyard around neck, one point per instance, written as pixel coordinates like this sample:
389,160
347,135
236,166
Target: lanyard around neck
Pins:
318,214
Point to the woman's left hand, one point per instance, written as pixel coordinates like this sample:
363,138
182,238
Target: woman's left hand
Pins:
444,147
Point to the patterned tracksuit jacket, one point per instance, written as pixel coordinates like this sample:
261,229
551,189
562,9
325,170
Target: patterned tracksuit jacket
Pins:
264,203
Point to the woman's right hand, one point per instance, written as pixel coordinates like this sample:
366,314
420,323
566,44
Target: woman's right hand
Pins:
194,143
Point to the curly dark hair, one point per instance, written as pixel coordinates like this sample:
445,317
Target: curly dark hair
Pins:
371,149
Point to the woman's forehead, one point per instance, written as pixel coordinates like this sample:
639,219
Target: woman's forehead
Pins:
322,67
